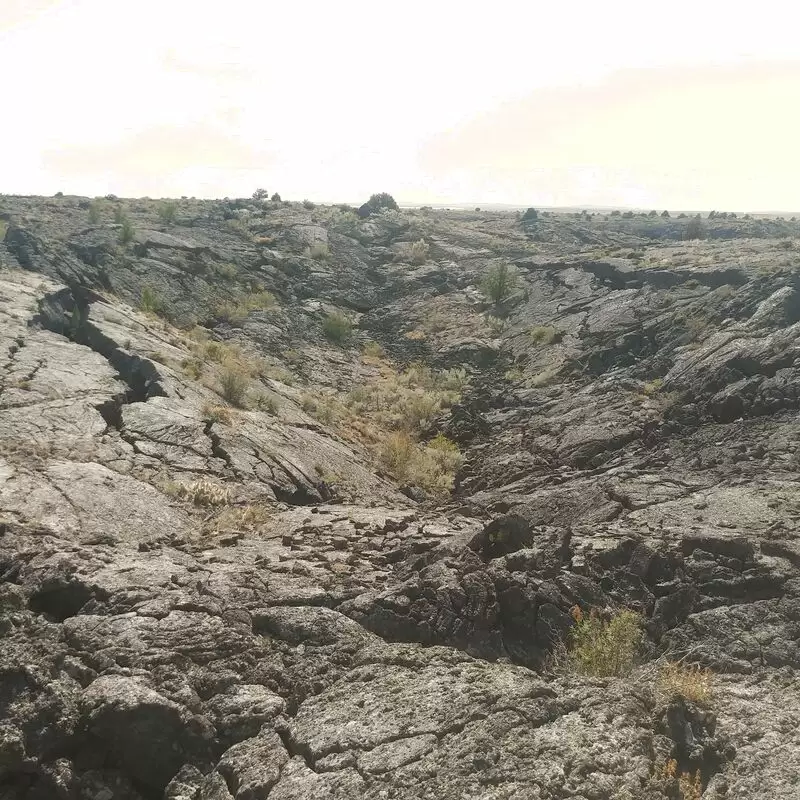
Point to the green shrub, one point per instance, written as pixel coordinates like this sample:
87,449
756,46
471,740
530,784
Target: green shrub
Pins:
319,251
696,228
126,231
235,312
377,202
453,379
227,271
95,210
151,301
496,325
167,211
419,252
337,327
308,205
238,226
260,194
396,453
418,409
499,283
604,649
276,198
446,453
234,382
544,334
373,350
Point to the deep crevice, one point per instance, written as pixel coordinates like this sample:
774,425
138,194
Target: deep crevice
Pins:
66,312
216,444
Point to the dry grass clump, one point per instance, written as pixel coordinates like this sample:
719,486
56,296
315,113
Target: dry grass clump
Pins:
217,413
391,414
201,493
224,367
233,519
690,681
690,785
167,211
496,325
235,312
266,403
652,387
430,467
396,453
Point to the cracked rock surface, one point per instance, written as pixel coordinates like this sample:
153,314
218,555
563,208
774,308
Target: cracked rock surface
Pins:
211,599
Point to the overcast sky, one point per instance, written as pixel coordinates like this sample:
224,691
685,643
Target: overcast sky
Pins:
678,104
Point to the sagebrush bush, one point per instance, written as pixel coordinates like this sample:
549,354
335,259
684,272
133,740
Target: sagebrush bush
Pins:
151,301
418,410
453,379
267,404
604,649
234,383
337,327
396,453
319,251
126,231
419,252
167,210
373,350
95,210
226,271
445,452
544,334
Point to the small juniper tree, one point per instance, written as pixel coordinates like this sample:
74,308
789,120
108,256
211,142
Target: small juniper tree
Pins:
696,229
377,202
499,283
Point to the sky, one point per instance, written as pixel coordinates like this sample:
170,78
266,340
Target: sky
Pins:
677,105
